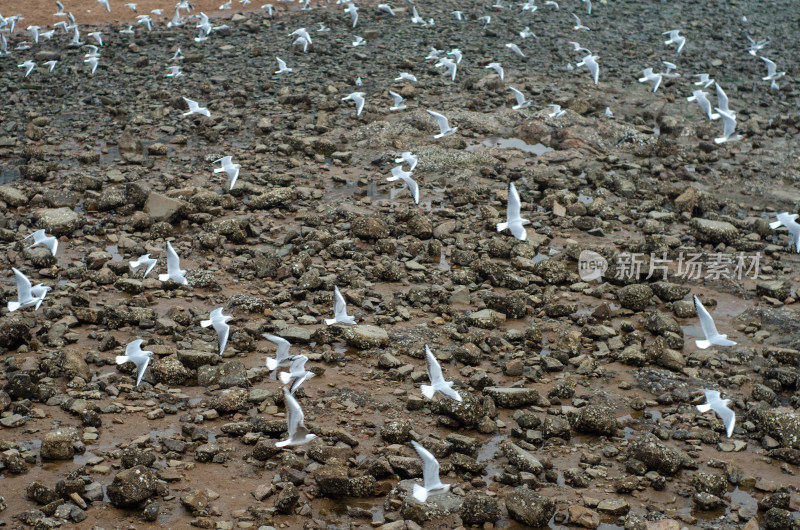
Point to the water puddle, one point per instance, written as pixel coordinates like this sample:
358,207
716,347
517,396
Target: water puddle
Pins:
512,143
486,455
444,265
585,199
114,251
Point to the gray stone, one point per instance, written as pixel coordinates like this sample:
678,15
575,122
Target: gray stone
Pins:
529,508
59,221
132,486
365,337
512,398
708,231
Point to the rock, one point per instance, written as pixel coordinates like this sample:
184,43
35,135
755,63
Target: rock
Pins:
670,292
369,228
635,296
195,501
654,454
466,412
614,507
286,498
596,419
332,480
529,508
162,208
707,502
780,423
134,456
365,337
73,364
522,459
708,483
485,319
230,400
582,516
708,231
57,445
513,398
478,509
132,486
12,196
59,221
777,289
396,431
20,385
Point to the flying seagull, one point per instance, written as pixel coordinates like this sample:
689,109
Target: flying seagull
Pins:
230,168
282,66
139,357
514,48
194,108
358,99
145,260
709,329
28,65
408,158
386,8
174,271
722,100
430,475
60,12
556,111
104,3
340,315
282,357
590,62
578,25
25,295
405,76
399,102
728,128
497,68
720,406
451,67
755,47
220,323
40,238
513,220
527,33
650,76
675,38
700,97
789,221
298,433
704,80
405,176
444,125
521,103
174,71
297,373
438,384
772,73
51,64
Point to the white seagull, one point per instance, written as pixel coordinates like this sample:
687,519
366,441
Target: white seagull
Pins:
145,260
722,100
755,47
51,64
230,168
408,158
772,73
405,176
650,76
404,76
438,384
34,31
174,71
578,25
789,221
556,111
399,102
709,329
60,12
704,80
590,62
444,125
459,15
386,8
514,48
700,97
174,271
194,108
359,41
340,315
297,373
353,11
97,36
93,62
269,8
521,103
220,323
728,128
104,3
131,6
514,222
226,5
451,66
298,433
282,357
25,295
28,65
282,66
358,99
527,33
430,475
720,406
497,68
40,238
675,38
139,357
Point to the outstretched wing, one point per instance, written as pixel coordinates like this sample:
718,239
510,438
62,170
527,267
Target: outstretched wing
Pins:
173,261
514,205
441,120
282,344
339,305
430,467
706,322
434,369
518,95
23,286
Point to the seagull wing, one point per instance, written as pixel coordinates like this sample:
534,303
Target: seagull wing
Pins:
706,322
23,286
281,63
294,414
173,261
434,369
430,467
771,67
223,331
728,123
398,99
339,304
727,415
722,98
444,125
412,187
519,95
282,351
514,205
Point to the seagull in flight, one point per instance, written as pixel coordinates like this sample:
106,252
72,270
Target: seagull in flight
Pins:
552,3
497,68
444,125
486,20
40,238
577,47
282,357
322,27
230,168
297,373
772,73
789,221
282,66
432,484
386,8
174,271
700,97
131,6
675,38
269,8
104,3
97,36
93,62
514,48
459,15
450,65
220,323
146,20
556,111
578,26
399,102
720,406
708,327
650,76
514,222
139,357
359,41
436,378
298,433
755,47
127,31
226,5
352,10
145,260
358,99
722,100
25,295
415,18
590,62
174,71
404,76
728,128
60,12
405,176
28,65
340,315
521,103
408,158
704,80
34,31
51,64
194,108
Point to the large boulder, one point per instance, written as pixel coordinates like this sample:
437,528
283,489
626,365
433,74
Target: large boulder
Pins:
529,508
132,486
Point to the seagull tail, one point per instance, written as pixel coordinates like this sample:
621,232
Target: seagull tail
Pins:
330,321
420,493
284,443
704,407
427,391
13,306
702,344
205,323
723,340
122,359
285,377
272,363
163,277
501,226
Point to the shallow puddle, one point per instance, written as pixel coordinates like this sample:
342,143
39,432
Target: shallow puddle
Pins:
512,143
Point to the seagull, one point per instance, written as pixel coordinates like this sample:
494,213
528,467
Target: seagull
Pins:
772,73
755,47
301,33
529,6
438,384
415,18
527,33
60,12
578,25
514,48
131,6
28,65
358,99
650,76
139,357
556,111
94,51
405,176
728,128
146,20
399,102
282,66
297,373
720,406
513,220
298,433
521,103
590,61
608,113
486,20
127,31
63,25
39,292
178,55
588,6
709,329
194,108
450,65
670,67
552,3
104,3
359,41
675,38
230,168
34,31
48,34
404,76
789,221
386,8
459,15
51,64
174,271
497,68
353,11
3,45
97,36
722,100
143,260
282,357
269,8
40,238
704,80
226,5
434,54
93,62
358,81
174,71
220,323
322,27
444,125
302,41
408,158
340,315
430,475
25,295
700,97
